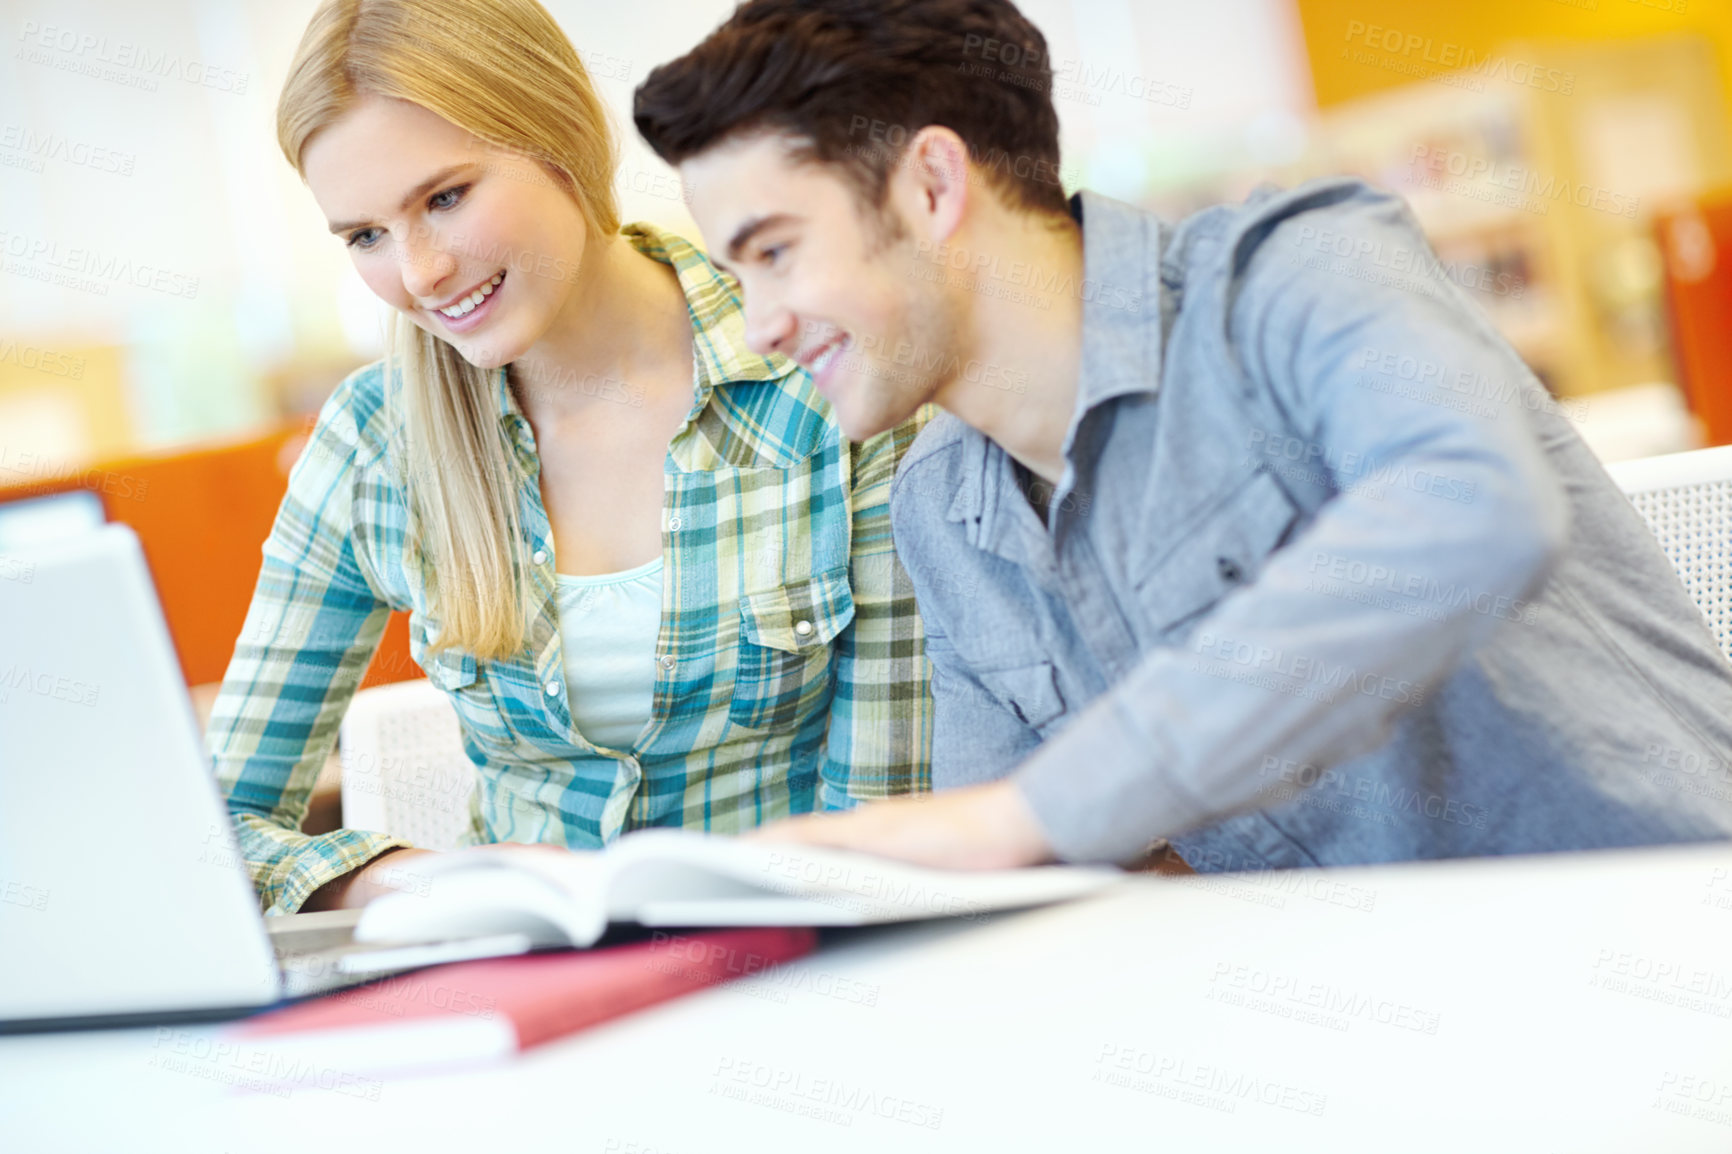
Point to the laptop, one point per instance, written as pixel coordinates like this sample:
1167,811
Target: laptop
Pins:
123,897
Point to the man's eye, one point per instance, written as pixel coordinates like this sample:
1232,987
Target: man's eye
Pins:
363,238
449,198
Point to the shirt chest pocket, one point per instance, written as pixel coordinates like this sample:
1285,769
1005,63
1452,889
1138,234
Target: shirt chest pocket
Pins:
783,670
459,675
1029,691
1225,548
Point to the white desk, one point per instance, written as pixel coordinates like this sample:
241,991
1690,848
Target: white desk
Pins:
1579,1003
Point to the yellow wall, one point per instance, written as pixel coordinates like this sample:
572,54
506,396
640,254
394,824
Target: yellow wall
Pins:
61,407
1481,25
1608,322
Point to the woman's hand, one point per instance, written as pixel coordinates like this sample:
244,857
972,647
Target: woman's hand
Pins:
358,887
977,827
394,871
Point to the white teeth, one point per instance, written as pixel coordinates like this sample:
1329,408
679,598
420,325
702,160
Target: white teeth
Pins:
465,306
828,355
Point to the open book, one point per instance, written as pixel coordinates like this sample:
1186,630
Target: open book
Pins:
684,878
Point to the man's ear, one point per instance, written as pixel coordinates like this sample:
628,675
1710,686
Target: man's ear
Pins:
932,182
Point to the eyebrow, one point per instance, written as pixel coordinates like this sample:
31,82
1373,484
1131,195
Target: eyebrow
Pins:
752,227
415,194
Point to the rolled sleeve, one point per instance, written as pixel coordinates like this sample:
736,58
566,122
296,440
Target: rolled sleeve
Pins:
311,629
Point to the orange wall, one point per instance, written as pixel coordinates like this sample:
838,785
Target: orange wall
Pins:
202,515
1481,25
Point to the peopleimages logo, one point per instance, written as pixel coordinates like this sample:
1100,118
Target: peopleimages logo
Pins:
826,1099
41,146
889,139
1038,279
88,270
1358,469
1381,794
1450,55
1218,1087
42,360
1284,993
89,51
1397,369
1520,179
23,679
925,363
1451,596
252,1067
1072,77
1295,673
1362,258
16,893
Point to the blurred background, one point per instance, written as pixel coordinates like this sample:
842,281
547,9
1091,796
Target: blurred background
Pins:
167,279
172,310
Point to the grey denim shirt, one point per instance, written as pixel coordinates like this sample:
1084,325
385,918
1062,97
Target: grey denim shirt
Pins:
1329,577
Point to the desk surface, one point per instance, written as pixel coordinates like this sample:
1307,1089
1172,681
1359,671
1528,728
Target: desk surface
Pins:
1579,1003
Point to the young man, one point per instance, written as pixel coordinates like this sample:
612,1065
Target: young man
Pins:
1249,534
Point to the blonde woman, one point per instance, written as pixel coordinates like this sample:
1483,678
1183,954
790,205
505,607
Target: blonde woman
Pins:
652,575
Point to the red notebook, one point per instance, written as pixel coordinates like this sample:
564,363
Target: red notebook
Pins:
468,1013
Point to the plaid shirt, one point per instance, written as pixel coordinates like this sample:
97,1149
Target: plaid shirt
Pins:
790,667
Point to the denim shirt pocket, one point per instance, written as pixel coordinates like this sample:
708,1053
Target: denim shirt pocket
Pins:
1029,691
1225,548
785,648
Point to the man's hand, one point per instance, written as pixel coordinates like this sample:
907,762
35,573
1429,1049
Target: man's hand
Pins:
977,827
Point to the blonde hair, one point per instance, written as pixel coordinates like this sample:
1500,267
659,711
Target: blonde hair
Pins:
503,71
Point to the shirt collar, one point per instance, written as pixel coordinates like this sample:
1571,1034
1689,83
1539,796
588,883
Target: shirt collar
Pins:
1122,334
718,320
1121,294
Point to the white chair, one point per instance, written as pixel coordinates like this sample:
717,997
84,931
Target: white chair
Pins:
404,769
1687,500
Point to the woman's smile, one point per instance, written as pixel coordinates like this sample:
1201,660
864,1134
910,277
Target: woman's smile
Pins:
470,309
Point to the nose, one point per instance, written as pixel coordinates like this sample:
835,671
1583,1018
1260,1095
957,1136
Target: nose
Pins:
770,328
425,265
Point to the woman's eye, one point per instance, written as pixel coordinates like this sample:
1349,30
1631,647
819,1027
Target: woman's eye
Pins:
449,198
363,238
768,256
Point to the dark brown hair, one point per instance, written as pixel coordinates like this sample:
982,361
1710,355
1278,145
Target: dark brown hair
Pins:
850,81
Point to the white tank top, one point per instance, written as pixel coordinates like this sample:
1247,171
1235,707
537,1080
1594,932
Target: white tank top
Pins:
609,624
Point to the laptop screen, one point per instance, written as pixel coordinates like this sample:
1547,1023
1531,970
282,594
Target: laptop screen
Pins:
37,520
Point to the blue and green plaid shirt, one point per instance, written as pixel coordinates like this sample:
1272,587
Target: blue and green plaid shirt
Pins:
790,668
